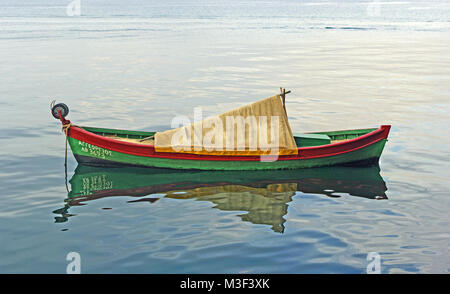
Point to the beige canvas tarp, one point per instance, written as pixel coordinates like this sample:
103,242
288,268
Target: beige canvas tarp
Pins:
260,128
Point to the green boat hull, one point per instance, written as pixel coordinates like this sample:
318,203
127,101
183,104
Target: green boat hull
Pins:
93,155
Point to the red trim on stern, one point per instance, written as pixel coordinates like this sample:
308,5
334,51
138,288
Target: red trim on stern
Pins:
304,152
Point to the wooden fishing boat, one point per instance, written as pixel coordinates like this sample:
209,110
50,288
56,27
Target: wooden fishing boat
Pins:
114,147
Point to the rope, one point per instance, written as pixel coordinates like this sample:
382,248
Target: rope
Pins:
65,129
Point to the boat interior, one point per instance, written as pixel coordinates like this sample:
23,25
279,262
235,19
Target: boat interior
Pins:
301,139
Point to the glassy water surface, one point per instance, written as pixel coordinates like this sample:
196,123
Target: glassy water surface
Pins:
136,66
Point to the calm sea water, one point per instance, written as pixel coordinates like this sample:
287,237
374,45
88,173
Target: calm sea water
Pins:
136,66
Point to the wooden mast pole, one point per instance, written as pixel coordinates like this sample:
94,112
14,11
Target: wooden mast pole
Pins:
283,97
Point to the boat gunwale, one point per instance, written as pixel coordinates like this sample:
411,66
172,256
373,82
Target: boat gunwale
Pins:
147,150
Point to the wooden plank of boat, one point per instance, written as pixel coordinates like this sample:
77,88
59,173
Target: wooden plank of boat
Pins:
114,147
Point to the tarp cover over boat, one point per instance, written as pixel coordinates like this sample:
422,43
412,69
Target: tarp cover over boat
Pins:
260,128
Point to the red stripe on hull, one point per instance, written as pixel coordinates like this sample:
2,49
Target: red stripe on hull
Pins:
303,153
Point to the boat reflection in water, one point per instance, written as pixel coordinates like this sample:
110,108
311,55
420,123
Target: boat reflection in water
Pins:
263,194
